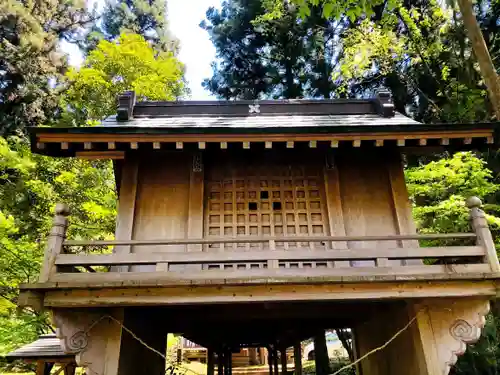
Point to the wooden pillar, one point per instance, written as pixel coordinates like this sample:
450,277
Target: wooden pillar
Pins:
270,360
220,363
228,359
321,354
70,369
484,238
135,357
210,362
283,360
297,358
54,242
275,360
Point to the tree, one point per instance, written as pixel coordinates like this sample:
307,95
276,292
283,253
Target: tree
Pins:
144,17
367,8
128,63
283,58
30,186
31,63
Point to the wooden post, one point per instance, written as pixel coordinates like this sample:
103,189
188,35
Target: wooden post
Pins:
220,363
210,362
275,360
283,360
321,354
270,360
228,366
484,238
297,358
54,242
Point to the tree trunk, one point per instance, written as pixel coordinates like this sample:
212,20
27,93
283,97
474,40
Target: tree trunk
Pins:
483,57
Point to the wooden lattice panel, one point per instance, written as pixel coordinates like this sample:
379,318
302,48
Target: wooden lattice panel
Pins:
265,200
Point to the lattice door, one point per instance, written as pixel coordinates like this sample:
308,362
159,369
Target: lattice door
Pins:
244,199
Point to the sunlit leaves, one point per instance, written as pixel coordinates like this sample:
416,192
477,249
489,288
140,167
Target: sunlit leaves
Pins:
129,63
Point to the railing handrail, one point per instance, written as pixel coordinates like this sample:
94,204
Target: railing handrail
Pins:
223,240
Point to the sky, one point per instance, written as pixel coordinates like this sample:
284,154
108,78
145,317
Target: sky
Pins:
197,51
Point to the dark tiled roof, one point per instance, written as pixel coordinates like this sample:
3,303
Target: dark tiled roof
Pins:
262,122
47,346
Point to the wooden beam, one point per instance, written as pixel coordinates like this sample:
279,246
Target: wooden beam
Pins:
94,155
257,239
281,275
278,137
210,293
297,358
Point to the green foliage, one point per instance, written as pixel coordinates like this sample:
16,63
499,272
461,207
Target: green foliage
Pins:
129,63
143,17
439,190
31,63
30,186
283,58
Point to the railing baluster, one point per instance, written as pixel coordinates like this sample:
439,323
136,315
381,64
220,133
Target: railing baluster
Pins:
484,238
55,242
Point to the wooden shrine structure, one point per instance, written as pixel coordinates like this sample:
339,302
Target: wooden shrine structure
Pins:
260,224
47,354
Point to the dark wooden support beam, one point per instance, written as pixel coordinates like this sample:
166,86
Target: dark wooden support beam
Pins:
210,362
220,363
297,358
275,360
283,360
228,359
270,360
321,354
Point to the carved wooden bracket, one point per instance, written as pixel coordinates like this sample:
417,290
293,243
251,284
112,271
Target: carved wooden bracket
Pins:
447,327
92,336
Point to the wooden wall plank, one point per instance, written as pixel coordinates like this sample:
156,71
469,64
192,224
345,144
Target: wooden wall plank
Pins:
401,205
195,210
126,206
365,197
334,206
162,201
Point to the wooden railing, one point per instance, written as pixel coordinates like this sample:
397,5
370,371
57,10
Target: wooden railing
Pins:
405,258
